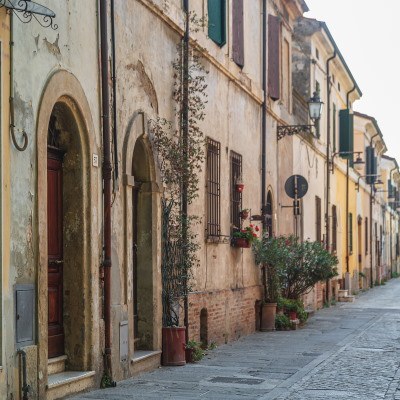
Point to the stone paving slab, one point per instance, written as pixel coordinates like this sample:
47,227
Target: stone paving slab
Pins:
349,351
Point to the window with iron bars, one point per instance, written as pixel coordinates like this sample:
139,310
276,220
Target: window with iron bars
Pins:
318,225
236,197
213,188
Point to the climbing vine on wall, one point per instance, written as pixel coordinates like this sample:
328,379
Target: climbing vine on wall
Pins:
180,148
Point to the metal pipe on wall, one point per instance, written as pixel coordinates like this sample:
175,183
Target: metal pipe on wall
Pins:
264,117
107,177
328,178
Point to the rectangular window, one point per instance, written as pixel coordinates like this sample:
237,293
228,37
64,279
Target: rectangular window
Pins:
366,236
318,225
274,31
334,228
238,32
351,242
217,21
236,197
213,188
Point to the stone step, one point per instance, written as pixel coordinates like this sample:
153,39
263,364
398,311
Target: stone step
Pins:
69,382
347,299
145,361
56,364
343,293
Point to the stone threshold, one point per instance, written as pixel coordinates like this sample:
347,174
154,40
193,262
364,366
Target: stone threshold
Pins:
140,355
55,360
67,377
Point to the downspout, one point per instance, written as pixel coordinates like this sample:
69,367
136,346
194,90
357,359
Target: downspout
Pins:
347,192
25,386
264,118
371,284
114,99
328,177
391,227
107,176
185,140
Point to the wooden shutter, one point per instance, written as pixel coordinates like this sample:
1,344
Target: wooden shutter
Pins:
371,165
274,29
217,21
334,228
318,227
238,32
346,138
350,233
366,236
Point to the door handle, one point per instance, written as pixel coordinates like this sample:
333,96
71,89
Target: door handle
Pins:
58,262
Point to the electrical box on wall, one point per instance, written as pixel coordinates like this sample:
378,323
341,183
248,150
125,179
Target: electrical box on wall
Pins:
24,315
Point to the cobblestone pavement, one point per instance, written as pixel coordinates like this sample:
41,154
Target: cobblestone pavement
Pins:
349,351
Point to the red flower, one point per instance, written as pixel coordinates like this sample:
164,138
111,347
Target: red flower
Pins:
257,228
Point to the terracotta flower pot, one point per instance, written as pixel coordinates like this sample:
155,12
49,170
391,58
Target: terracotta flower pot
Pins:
173,346
268,312
244,214
292,315
243,243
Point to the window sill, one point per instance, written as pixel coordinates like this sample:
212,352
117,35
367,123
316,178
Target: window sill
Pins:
218,239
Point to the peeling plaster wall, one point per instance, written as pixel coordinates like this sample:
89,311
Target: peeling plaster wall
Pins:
39,53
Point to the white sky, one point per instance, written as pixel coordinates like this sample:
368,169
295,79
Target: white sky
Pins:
367,33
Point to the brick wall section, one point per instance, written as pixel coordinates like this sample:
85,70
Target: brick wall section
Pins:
231,313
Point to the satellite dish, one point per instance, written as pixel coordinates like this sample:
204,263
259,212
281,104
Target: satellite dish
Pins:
296,186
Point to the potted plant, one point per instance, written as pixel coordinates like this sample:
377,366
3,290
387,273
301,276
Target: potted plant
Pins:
269,255
239,185
194,352
245,237
244,214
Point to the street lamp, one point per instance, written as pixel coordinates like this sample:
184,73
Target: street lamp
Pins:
358,163
315,106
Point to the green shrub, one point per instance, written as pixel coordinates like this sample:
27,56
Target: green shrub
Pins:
282,322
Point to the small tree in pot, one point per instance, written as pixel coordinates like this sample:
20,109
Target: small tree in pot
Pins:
268,252
306,263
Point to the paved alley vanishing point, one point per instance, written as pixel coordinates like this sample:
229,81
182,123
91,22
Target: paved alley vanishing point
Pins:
349,351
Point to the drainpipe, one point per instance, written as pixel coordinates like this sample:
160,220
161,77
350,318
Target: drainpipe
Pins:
328,177
114,98
370,222
264,118
347,192
25,386
107,176
391,226
185,138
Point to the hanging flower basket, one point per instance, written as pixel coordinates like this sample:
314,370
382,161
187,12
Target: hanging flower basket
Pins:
241,242
239,187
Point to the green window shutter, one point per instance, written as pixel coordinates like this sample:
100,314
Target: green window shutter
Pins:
334,128
371,167
350,233
346,134
217,21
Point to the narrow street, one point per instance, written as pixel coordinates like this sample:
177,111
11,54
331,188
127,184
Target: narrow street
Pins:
349,351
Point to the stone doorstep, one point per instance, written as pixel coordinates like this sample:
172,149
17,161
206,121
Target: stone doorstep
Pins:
145,361
346,299
56,364
343,293
68,382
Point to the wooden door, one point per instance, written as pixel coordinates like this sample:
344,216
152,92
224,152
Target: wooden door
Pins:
55,254
135,198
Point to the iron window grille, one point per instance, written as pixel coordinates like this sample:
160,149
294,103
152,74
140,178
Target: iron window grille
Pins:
236,197
213,188
268,215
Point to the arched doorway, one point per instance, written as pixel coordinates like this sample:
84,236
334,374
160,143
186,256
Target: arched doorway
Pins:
66,228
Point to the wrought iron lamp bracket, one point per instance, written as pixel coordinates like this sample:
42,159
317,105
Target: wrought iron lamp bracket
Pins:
27,10
290,130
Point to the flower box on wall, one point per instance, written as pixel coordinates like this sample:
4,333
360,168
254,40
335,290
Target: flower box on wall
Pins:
241,242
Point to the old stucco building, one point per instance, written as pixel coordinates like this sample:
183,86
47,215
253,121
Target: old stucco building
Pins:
53,235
